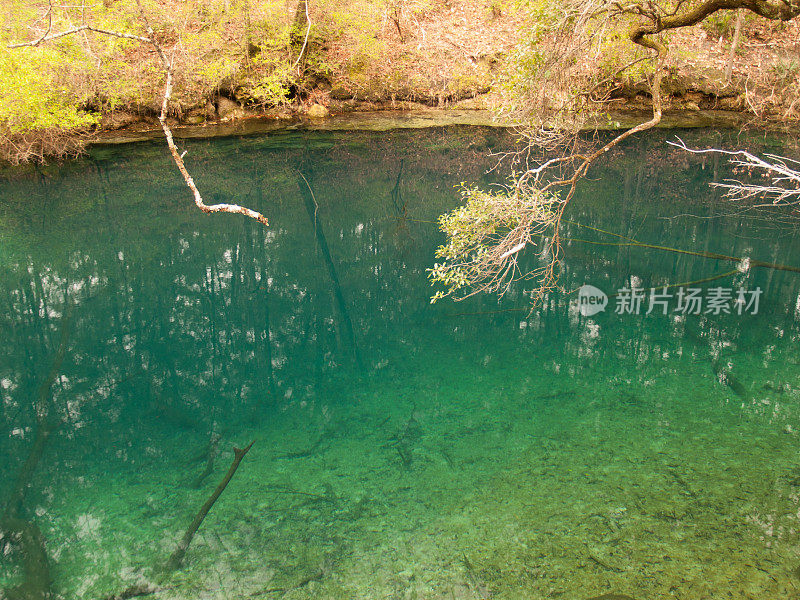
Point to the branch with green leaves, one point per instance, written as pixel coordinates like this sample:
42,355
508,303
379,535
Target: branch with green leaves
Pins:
553,98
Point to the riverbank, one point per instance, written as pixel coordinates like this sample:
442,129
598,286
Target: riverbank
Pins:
236,63
409,117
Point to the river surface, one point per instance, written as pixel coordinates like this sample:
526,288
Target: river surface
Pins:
456,451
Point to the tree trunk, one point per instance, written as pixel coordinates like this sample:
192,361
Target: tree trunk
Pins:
734,46
300,29
299,25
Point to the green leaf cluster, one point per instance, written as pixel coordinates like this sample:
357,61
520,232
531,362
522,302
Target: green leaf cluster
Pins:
35,96
474,229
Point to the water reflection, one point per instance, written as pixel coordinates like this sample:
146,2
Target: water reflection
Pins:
143,339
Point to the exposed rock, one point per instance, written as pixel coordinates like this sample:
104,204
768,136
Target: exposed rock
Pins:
707,83
317,111
151,107
228,109
195,116
339,92
733,103
118,120
711,82
476,103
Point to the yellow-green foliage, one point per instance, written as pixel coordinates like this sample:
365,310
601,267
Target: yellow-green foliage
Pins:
239,47
37,94
242,44
474,231
613,50
208,40
357,29
269,84
566,61
530,59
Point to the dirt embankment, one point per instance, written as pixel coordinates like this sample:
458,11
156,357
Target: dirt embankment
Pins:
758,75
451,55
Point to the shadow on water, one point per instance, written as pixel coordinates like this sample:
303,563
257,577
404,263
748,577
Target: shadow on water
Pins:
312,208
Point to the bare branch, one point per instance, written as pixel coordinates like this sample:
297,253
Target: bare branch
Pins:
782,176
178,158
47,38
118,34
55,36
162,119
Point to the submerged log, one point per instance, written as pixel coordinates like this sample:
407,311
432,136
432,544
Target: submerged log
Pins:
176,558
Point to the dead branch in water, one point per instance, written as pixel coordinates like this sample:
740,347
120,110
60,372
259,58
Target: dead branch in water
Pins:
177,556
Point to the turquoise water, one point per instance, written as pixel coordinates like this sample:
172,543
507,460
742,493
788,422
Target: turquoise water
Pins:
402,449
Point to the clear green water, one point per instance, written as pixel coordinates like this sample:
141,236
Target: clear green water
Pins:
402,450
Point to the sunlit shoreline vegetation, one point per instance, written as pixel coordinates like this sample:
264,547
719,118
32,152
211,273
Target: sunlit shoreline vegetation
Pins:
240,58
232,58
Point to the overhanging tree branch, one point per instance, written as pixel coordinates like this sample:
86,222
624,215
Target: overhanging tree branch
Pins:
774,10
486,237
162,118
